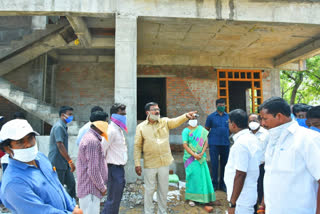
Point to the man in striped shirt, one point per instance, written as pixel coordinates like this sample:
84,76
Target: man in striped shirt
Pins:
116,155
91,168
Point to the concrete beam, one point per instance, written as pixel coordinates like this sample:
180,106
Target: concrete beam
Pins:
81,30
297,11
85,58
301,53
37,49
108,42
214,61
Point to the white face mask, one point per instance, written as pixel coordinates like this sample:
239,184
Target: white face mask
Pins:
25,155
254,125
154,117
193,123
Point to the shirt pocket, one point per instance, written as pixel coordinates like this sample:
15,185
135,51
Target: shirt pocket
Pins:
286,160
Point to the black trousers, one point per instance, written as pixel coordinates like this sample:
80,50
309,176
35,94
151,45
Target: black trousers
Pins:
215,152
66,178
116,183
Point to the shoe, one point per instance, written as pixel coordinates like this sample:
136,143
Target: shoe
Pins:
191,204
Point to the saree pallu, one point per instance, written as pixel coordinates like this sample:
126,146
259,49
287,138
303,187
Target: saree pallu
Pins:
198,180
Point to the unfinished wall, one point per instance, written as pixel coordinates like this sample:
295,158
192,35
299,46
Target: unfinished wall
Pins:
271,83
29,78
188,89
84,85
195,88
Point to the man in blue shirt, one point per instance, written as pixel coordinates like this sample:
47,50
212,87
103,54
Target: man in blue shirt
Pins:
219,145
58,150
30,184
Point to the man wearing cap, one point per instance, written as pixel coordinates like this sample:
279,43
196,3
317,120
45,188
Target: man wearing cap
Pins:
91,167
58,150
30,184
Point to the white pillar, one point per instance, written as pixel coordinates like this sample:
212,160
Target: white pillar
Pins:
126,80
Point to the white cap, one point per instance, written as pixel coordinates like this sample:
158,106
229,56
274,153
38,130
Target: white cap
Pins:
16,129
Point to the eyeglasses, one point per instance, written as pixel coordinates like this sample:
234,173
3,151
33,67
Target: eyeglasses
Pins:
155,109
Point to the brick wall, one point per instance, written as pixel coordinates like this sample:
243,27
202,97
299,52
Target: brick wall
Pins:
195,88
84,85
188,88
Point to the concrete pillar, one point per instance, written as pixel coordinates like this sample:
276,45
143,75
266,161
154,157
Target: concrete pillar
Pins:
126,80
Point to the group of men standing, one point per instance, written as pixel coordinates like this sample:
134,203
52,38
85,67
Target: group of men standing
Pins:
102,155
289,152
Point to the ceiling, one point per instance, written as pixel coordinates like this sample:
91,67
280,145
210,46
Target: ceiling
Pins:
175,36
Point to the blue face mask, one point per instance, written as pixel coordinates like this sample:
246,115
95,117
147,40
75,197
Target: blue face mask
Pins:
315,129
69,119
302,122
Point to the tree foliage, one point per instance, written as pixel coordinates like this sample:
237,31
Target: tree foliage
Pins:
302,86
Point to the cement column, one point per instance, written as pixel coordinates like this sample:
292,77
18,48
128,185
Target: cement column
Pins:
126,80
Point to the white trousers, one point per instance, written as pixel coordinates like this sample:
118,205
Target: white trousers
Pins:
244,209
90,204
156,177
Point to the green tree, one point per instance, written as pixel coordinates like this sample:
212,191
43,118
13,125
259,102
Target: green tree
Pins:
302,86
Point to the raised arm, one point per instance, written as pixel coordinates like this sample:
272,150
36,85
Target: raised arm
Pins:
178,121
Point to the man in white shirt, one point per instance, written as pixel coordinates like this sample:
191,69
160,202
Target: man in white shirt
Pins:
86,126
263,136
242,169
291,162
116,156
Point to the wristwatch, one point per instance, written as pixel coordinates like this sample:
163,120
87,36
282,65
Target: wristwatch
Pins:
231,205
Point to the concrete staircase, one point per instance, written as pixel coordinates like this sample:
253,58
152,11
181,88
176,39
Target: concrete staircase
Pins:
32,105
35,44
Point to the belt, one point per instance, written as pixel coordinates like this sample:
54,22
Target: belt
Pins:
110,164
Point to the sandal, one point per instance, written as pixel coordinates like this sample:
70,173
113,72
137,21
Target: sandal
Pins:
191,204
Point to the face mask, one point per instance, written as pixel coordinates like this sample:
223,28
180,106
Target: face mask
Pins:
25,155
193,123
154,117
120,120
302,122
69,118
254,125
221,108
315,128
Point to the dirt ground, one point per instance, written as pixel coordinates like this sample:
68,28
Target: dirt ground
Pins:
132,201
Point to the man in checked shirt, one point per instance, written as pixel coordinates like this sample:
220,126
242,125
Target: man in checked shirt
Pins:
152,138
91,168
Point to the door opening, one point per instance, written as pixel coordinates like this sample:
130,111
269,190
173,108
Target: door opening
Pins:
151,90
